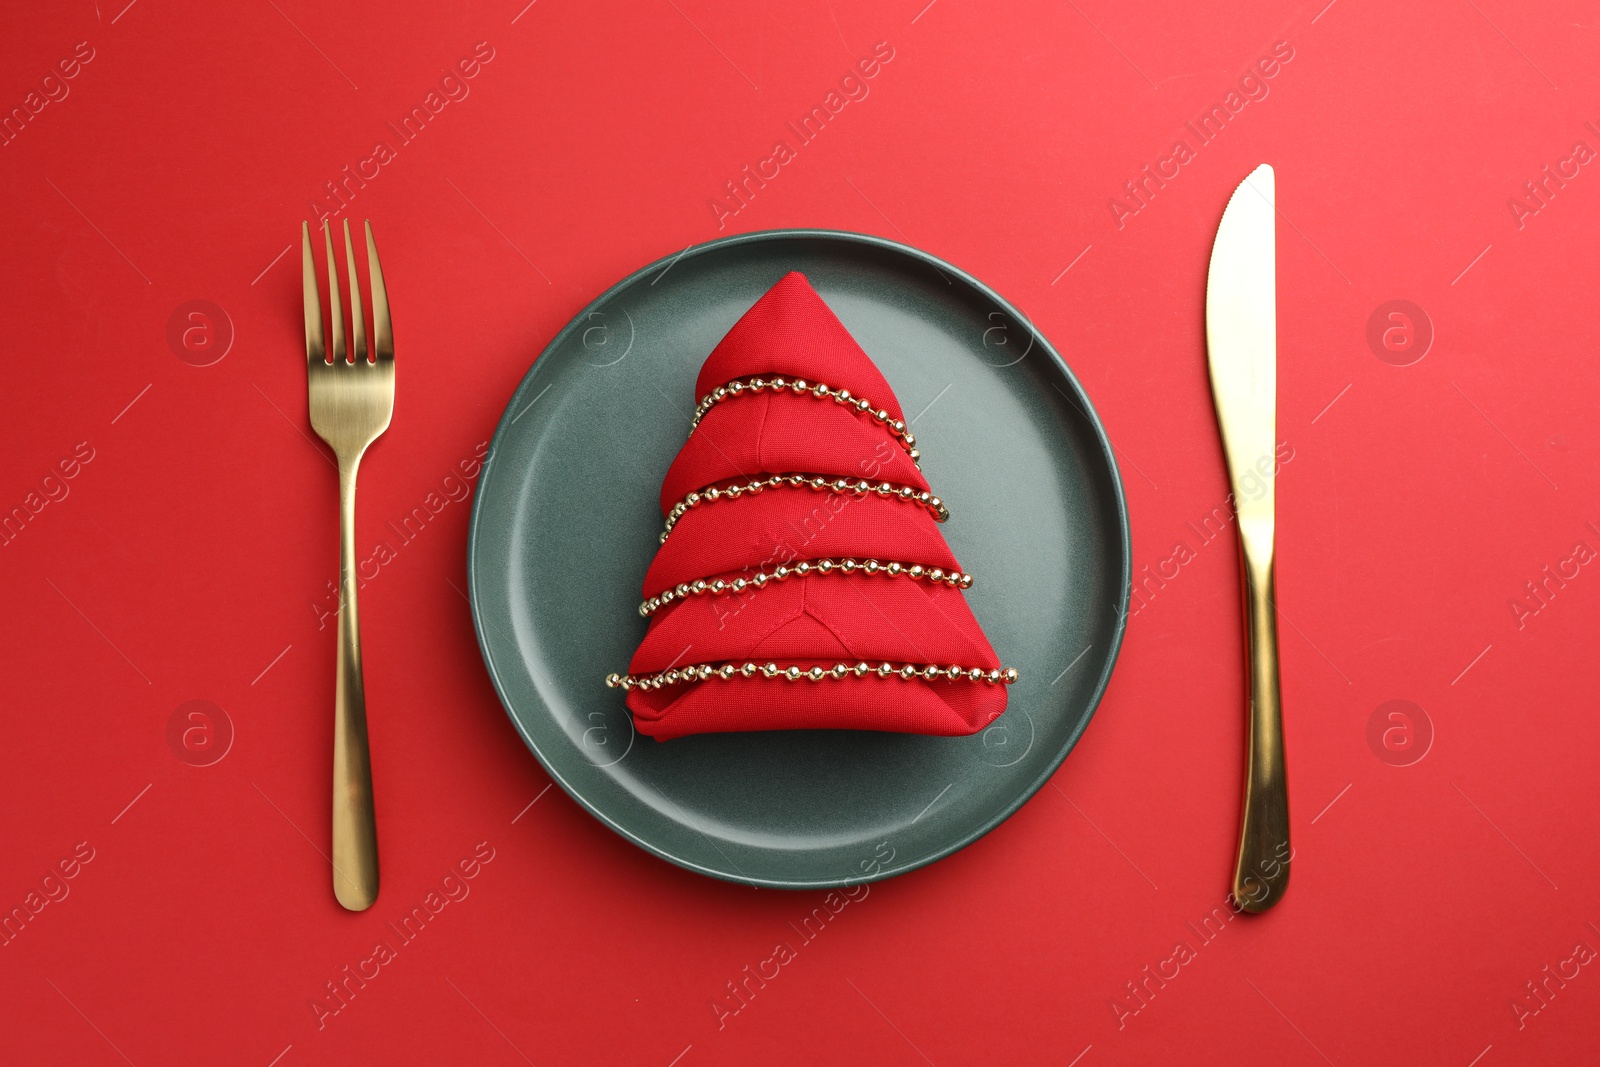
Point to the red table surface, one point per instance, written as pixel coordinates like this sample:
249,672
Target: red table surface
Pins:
1444,910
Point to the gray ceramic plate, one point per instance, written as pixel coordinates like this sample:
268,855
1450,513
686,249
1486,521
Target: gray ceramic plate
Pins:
566,521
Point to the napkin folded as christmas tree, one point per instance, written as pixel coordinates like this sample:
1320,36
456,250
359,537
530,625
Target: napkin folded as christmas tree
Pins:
802,581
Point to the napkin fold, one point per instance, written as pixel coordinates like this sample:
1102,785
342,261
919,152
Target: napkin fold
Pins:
802,582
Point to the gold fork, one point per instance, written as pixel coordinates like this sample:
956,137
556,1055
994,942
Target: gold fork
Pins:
351,402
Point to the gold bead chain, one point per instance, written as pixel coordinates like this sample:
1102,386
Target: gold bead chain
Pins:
785,571
793,673
800,386
819,482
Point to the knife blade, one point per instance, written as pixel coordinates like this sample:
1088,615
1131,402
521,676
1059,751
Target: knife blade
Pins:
1242,345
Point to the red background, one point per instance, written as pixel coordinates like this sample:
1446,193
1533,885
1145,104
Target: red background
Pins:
186,558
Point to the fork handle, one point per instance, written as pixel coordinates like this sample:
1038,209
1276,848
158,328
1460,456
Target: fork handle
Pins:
1262,873
355,831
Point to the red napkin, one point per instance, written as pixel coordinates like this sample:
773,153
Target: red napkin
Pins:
825,596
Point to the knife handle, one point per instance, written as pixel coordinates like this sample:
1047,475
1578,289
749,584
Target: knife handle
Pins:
1262,873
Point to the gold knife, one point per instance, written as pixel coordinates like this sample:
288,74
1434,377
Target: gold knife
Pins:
1242,340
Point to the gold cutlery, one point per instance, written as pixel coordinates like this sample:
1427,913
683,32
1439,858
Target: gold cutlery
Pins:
1242,339
351,401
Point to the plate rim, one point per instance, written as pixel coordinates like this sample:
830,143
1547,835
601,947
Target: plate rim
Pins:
1119,495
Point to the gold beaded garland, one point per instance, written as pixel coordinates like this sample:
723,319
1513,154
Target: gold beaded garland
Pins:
782,572
891,568
801,387
820,483
815,673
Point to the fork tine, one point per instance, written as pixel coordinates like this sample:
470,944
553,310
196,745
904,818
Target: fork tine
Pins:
337,315
315,348
358,327
382,329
